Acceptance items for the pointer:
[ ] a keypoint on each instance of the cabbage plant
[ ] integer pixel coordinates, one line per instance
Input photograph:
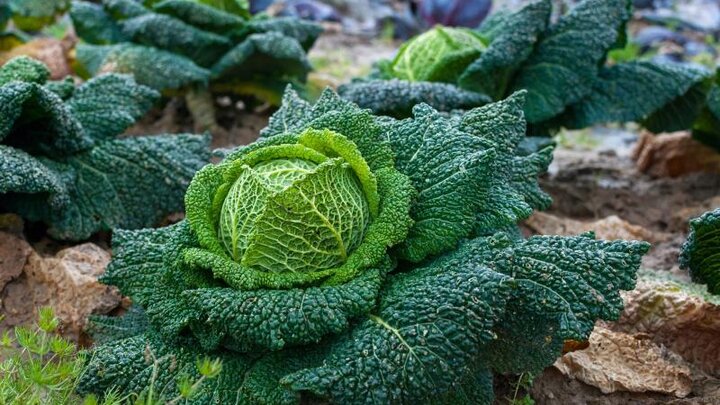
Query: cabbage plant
(62, 164)
(194, 48)
(350, 258)
(563, 66)
(701, 251)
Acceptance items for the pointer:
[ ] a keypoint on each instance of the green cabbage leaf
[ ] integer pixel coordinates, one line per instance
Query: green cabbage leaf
(701, 251)
(64, 165)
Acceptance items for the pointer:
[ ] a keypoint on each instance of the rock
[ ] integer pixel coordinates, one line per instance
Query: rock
(676, 314)
(611, 227)
(620, 362)
(674, 154)
(66, 282)
(553, 388)
(14, 253)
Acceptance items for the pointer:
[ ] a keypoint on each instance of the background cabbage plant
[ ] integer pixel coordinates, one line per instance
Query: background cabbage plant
(351, 258)
(62, 163)
(563, 66)
(191, 47)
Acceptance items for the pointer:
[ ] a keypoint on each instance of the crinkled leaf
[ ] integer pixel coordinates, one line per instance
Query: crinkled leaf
(564, 284)
(133, 364)
(130, 183)
(621, 91)
(512, 37)
(36, 120)
(563, 66)
(701, 252)
(429, 146)
(151, 67)
(107, 105)
(513, 191)
(24, 69)
(25, 174)
(266, 54)
(94, 25)
(421, 342)
(396, 98)
(199, 15)
(104, 329)
(305, 32)
(336, 114)
(172, 35)
(123, 9)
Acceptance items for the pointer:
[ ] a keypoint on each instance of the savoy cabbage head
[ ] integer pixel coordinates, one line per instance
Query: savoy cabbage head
(562, 65)
(62, 163)
(191, 46)
(351, 258)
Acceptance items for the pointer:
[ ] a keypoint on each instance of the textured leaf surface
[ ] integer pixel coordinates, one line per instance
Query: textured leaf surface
(94, 25)
(305, 32)
(509, 199)
(235, 318)
(128, 365)
(200, 15)
(104, 329)
(620, 94)
(266, 54)
(563, 66)
(430, 146)
(22, 173)
(151, 67)
(701, 252)
(421, 342)
(512, 37)
(172, 35)
(396, 98)
(36, 120)
(130, 183)
(108, 105)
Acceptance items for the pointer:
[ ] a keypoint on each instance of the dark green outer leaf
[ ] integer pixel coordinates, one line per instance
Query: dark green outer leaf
(107, 105)
(564, 284)
(305, 32)
(172, 35)
(199, 15)
(24, 69)
(512, 38)
(513, 191)
(267, 54)
(35, 120)
(333, 113)
(104, 329)
(396, 98)
(701, 251)
(22, 173)
(420, 344)
(129, 183)
(94, 25)
(151, 67)
(564, 65)
(430, 146)
(622, 94)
